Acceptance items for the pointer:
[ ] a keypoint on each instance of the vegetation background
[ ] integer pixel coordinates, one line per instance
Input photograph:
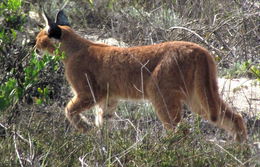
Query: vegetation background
(33, 90)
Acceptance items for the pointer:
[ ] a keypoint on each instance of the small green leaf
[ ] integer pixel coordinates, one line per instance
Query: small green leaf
(40, 90)
(14, 33)
(91, 3)
(45, 92)
(39, 101)
(14, 4)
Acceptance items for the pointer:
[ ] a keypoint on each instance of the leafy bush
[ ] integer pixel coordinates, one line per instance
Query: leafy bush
(246, 68)
(13, 20)
(19, 76)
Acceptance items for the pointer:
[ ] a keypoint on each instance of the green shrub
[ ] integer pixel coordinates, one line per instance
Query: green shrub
(19, 75)
(246, 68)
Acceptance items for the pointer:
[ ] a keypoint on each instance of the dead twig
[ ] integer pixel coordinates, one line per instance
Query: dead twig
(197, 35)
(235, 158)
(17, 151)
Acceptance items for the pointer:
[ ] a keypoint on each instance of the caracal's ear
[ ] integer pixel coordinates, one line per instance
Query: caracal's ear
(62, 19)
(52, 29)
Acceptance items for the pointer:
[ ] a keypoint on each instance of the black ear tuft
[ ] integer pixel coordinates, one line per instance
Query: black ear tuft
(47, 19)
(61, 19)
(54, 32)
(53, 29)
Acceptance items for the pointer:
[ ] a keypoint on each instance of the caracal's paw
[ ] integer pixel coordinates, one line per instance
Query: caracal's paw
(83, 125)
(241, 134)
(240, 130)
(240, 137)
(84, 128)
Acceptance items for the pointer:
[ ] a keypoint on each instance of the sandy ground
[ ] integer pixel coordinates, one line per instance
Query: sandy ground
(243, 94)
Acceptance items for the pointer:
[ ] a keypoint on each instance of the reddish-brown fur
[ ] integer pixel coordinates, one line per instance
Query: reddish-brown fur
(168, 74)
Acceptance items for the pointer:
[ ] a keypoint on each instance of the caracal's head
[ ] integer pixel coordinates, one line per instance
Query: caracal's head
(49, 37)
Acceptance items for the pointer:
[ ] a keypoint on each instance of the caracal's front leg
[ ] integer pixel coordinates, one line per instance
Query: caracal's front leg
(74, 108)
(106, 110)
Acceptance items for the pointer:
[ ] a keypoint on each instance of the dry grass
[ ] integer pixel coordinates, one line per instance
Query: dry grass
(43, 137)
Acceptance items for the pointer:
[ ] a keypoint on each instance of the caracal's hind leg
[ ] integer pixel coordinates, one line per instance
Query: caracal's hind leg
(168, 107)
(167, 92)
(105, 109)
(232, 122)
(197, 106)
(74, 108)
(169, 114)
(207, 102)
(228, 120)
